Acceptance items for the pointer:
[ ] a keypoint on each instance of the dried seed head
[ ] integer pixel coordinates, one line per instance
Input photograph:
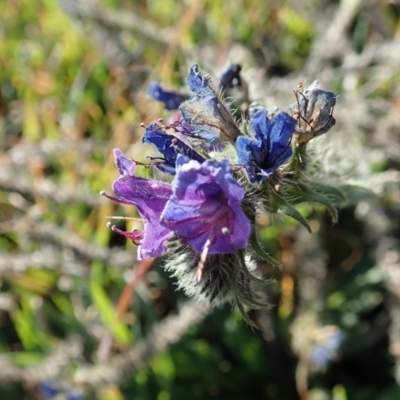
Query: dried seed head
(313, 111)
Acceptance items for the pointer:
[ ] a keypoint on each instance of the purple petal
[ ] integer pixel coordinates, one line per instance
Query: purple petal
(124, 165)
(206, 205)
(150, 198)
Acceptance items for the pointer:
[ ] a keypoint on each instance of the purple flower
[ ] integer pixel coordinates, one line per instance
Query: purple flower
(270, 148)
(207, 115)
(172, 100)
(170, 144)
(205, 207)
(149, 197)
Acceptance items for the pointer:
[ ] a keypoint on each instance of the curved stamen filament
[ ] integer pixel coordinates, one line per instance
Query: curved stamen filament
(136, 235)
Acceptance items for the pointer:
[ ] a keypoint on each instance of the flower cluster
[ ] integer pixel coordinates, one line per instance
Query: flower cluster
(222, 175)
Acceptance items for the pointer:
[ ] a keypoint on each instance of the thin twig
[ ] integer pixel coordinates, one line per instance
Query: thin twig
(123, 304)
(332, 40)
(121, 19)
(162, 336)
(11, 182)
(57, 365)
(48, 257)
(50, 233)
(52, 367)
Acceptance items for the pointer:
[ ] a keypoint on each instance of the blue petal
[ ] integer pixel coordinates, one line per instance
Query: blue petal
(280, 135)
(171, 99)
(194, 79)
(270, 148)
(208, 117)
(260, 124)
(170, 146)
(231, 77)
(48, 390)
(250, 155)
(320, 356)
(73, 395)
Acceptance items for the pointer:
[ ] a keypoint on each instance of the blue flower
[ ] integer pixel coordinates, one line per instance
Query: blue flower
(270, 148)
(170, 145)
(231, 78)
(172, 100)
(207, 115)
(150, 197)
(326, 350)
(49, 391)
(205, 207)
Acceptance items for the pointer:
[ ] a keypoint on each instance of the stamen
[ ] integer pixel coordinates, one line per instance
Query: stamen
(136, 236)
(203, 256)
(122, 218)
(115, 199)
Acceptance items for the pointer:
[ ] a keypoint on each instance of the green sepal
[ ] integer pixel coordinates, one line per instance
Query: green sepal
(355, 193)
(331, 192)
(243, 311)
(256, 246)
(304, 194)
(248, 273)
(243, 299)
(282, 206)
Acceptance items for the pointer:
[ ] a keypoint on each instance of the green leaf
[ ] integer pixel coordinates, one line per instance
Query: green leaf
(106, 309)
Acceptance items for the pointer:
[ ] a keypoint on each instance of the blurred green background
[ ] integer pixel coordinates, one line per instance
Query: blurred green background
(80, 316)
